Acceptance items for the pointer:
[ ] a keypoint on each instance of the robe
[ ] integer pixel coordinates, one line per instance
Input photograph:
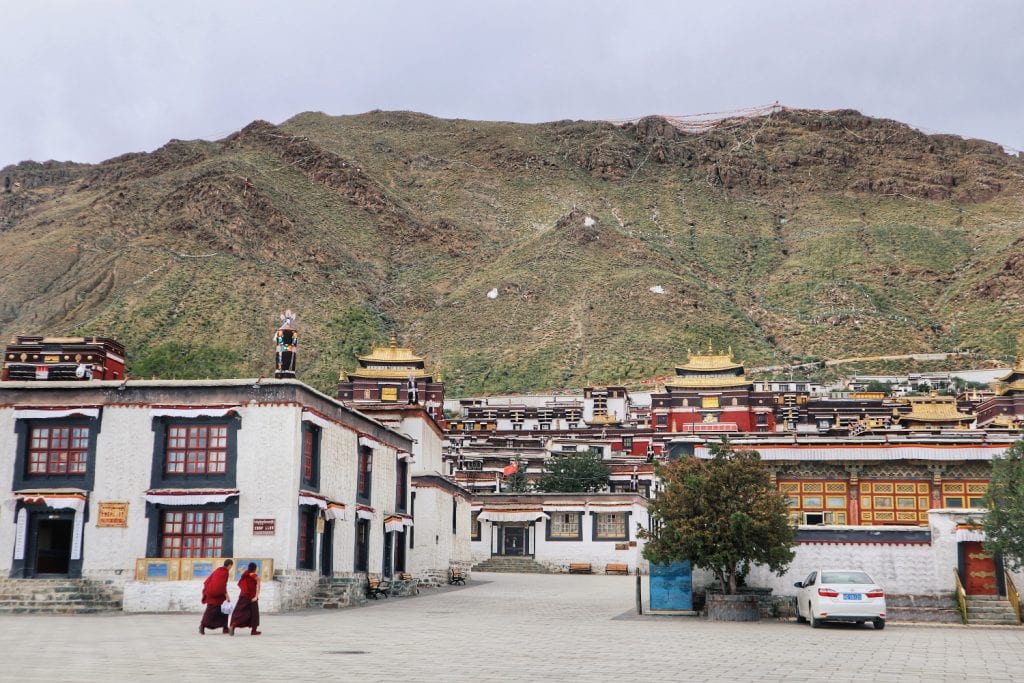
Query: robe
(247, 609)
(215, 592)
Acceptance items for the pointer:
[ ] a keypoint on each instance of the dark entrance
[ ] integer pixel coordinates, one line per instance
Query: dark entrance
(327, 548)
(49, 551)
(515, 538)
(388, 545)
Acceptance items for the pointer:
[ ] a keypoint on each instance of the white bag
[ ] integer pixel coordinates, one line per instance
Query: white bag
(226, 607)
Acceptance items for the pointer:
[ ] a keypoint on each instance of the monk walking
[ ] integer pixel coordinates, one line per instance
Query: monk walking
(215, 594)
(247, 610)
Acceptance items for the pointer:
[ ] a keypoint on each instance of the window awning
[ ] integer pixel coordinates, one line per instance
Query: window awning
(54, 498)
(38, 414)
(336, 511)
(316, 501)
(212, 411)
(368, 441)
(963, 534)
(394, 523)
(511, 515)
(313, 418)
(405, 455)
(189, 496)
(364, 512)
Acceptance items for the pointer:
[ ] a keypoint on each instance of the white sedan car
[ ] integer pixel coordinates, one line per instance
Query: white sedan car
(840, 595)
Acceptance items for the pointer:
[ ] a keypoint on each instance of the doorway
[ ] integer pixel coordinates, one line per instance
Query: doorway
(515, 539)
(327, 549)
(50, 550)
(980, 571)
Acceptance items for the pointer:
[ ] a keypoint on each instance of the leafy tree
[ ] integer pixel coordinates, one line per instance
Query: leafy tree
(875, 386)
(1004, 522)
(722, 515)
(517, 482)
(582, 472)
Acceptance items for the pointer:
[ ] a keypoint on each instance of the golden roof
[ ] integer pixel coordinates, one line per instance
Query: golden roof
(710, 361)
(389, 373)
(392, 353)
(935, 409)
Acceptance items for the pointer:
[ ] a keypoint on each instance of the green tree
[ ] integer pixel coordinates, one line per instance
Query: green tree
(722, 515)
(582, 472)
(517, 482)
(1004, 521)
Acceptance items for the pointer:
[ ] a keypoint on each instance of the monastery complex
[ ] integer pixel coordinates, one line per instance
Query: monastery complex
(138, 488)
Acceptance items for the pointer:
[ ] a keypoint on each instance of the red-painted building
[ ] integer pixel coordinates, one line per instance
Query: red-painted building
(711, 393)
(63, 359)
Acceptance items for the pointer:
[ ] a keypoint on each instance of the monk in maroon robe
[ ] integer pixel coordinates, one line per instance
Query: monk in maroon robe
(247, 609)
(215, 594)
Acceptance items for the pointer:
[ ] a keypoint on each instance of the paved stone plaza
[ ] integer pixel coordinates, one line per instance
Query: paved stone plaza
(501, 627)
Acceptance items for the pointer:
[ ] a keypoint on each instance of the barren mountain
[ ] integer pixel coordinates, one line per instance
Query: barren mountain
(613, 248)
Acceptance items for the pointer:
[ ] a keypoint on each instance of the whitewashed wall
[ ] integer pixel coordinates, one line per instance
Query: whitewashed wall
(436, 547)
(901, 569)
(557, 555)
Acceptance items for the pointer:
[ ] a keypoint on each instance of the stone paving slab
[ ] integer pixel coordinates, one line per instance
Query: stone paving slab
(503, 627)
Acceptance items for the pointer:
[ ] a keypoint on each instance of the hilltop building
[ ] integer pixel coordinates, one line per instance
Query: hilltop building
(64, 359)
(711, 393)
(1005, 410)
(393, 375)
(413, 407)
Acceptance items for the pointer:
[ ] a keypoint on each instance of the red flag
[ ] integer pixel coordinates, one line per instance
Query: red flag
(510, 469)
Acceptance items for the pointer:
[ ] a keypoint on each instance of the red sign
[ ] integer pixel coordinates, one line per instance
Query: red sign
(42, 372)
(263, 527)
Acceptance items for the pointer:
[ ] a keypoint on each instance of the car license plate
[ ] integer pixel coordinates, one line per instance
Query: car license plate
(851, 596)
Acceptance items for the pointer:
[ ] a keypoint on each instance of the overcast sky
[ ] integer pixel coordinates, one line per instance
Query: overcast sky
(85, 80)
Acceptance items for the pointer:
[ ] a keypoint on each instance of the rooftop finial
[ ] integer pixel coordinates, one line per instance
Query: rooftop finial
(393, 340)
(710, 350)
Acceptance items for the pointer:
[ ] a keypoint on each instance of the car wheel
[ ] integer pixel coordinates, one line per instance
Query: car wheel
(879, 624)
(800, 619)
(815, 623)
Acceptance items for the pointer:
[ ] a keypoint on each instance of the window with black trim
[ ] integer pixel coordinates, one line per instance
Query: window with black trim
(306, 558)
(310, 456)
(191, 533)
(455, 515)
(611, 526)
(194, 452)
(565, 526)
(55, 453)
(364, 484)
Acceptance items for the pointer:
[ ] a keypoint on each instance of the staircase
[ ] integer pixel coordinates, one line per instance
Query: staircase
(334, 593)
(922, 608)
(511, 565)
(990, 610)
(58, 596)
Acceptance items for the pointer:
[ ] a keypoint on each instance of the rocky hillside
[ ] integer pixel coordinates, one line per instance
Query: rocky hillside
(611, 248)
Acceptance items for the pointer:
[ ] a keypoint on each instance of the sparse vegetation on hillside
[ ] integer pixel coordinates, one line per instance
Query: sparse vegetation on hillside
(611, 249)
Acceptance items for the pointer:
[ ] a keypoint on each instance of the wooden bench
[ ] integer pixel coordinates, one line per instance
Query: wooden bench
(455, 576)
(611, 568)
(376, 587)
(580, 568)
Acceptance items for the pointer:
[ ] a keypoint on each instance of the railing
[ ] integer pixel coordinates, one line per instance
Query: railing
(1012, 595)
(961, 596)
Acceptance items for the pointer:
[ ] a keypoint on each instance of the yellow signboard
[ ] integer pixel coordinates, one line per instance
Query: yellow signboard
(113, 514)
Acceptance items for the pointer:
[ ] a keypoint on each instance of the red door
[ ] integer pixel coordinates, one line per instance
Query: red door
(980, 570)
